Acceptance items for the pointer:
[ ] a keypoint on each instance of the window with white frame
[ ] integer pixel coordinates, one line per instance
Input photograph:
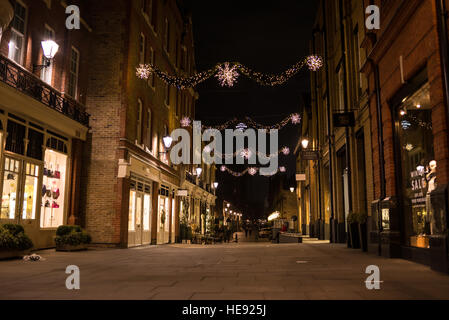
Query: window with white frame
(17, 40)
(167, 36)
(139, 122)
(142, 49)
(73, 74)
(47, 73)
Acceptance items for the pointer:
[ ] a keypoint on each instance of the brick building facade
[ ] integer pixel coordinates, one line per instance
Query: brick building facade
(42, 120)
(339, 179)
(131, 195)
(406, 69)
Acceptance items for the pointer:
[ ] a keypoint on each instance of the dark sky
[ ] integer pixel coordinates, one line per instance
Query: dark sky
(269, 37)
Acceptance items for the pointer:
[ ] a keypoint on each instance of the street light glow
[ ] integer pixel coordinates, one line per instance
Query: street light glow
(305, 143)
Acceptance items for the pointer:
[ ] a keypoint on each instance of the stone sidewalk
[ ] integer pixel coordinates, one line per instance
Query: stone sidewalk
(239, 271)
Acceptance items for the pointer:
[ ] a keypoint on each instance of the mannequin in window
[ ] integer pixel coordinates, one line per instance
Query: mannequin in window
(431, 177)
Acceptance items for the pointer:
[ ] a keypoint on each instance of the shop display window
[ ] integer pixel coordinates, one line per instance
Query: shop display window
(10, 188)
(419, 168)
(53, 189)
(132, 210)
(146, 212)
(30, 191)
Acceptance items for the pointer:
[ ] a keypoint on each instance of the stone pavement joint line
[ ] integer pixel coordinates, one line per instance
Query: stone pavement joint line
(239, 271)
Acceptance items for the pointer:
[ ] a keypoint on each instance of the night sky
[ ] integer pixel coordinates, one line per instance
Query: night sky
(269, 37)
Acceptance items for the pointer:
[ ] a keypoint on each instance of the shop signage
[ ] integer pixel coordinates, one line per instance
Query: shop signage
(310, 155)
(300, 177)
(182, 193)
(344, 119)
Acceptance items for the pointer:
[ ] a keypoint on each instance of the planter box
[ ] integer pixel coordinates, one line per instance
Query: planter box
(9, 254)
(354, 236)
(67, 247)
(363, 236)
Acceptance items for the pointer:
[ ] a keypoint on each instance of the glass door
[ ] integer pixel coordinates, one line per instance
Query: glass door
(139, 200)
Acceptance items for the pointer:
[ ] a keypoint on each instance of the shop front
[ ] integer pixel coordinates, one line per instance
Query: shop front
(419, 206)
(36, 177)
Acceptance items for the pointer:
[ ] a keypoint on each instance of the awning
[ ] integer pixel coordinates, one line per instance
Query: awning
(6, 13)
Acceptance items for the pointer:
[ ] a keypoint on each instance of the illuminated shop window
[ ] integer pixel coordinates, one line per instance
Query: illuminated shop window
(30, 191)
(10, 187)
(53, 189)
(419, 168)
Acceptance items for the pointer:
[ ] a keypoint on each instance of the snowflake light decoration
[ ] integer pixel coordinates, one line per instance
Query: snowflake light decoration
(185, 122)
(314, 62)
(252, 171)
(246, 154)
(241, 126)
(143, 71)
(227, 75)
(207, 149)
(285, 151)
(296, 118)
(282, 169)
(223, 168)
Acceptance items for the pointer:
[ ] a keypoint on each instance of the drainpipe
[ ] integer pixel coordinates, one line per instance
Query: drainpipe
(380, 137)
(317, 141)
(345, 88)
(329, 133)
(444, 48)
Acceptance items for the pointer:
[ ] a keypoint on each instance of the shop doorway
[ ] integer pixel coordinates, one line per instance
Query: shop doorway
(139, 227)
(163, 229)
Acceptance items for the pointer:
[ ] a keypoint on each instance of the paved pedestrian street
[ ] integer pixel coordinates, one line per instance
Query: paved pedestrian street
(244, 270)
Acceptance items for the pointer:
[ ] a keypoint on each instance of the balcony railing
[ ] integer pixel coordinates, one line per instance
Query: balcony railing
(190, 178)
(22, 80)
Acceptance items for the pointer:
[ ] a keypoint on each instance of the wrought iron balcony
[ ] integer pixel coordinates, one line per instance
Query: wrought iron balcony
(27, 83)
(190, 178)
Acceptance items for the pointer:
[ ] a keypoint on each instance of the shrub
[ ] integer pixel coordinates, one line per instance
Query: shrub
(71, 235)
(13, 228)
(13, 237)
(362, 217)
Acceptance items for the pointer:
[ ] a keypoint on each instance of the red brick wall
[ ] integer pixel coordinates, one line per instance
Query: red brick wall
(417, 41)
(39, 15)
(105, 103)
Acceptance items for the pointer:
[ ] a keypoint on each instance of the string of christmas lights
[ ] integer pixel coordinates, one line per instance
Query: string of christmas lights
(247, 153)
(293, 118)
(228, 73)
(252, 171)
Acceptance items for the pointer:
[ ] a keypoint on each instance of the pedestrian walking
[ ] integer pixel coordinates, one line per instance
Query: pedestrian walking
(250, 231)
(246, 231)
(256, 230)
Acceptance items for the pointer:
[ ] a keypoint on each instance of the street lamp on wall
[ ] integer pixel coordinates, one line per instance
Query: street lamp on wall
(292, 189)
(198, 171)
(215, 185)
(305, 143)
(50, 48)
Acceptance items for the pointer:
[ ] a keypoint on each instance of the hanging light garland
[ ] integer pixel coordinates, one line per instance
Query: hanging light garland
(252, 171)
(227, 74)
(247, 153)
(293, 118)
